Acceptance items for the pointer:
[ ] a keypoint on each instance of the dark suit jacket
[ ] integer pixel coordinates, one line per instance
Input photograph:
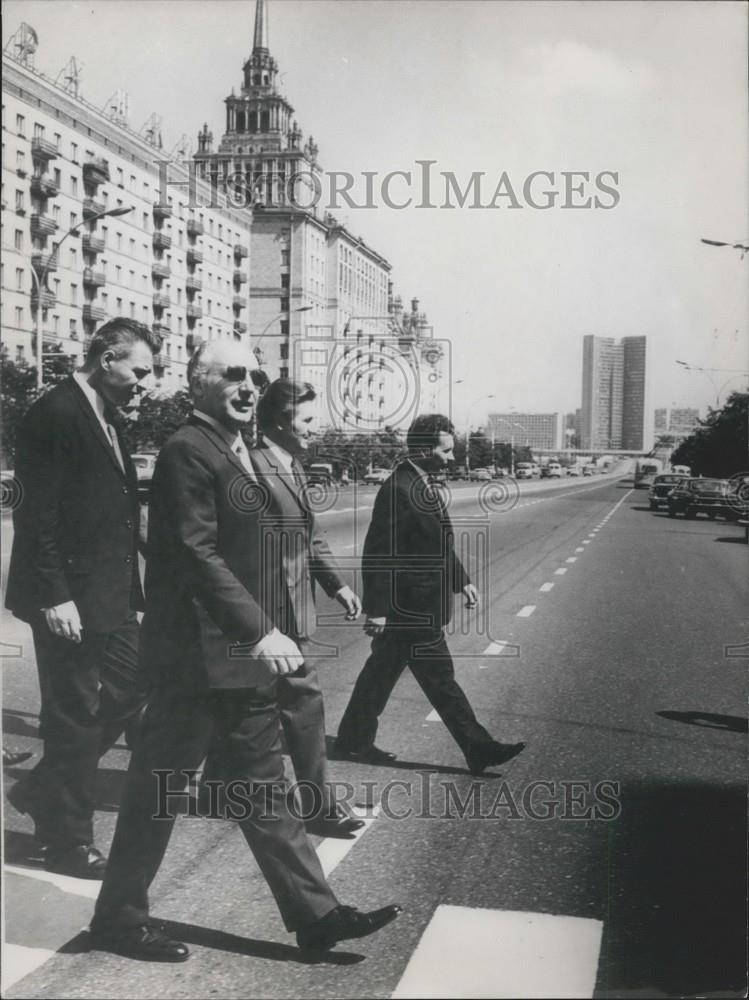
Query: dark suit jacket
(409, 567)
(76, 527)
(296, 551)
(204, 568)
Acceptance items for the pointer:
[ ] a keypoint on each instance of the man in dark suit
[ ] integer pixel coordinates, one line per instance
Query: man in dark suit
(298, 557)
(74, 578)
(411, 571)
(213, 656)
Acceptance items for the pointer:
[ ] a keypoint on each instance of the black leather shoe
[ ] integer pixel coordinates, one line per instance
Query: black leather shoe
(83, 861)
(372, 755)
(341, 825)
(492, 753)
(146, 942)
(13, 757)
(341, 924)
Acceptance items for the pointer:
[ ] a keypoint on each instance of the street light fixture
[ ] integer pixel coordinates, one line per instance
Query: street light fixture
(737, 373)
(40, 282)
(256, 349)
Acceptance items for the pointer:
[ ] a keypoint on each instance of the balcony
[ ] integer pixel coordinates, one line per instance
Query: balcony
(49, 299)
(195, 228)
(160, 270)
(240, 251)
(96, 171)
(161, 330)
(44, 187)
(93, 313)
(161, 241)
(240, 327)
(92, 278)
(43, 149)
(193, 284)
(240, 277)
(92, 244)
(162, 211)
(161, 361)
(161, 301)
(193, 341)
(92, 207)
(42, 225)
(239, 302)
(194, 256)
(42, 262)
(193, 312)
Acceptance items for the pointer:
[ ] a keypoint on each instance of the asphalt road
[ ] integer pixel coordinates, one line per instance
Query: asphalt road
(608, 859)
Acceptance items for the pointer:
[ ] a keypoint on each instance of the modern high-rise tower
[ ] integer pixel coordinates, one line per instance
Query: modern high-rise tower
(614, 394)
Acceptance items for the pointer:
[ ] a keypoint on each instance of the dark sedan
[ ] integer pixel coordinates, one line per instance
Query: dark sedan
(700, 496)
(662, 486)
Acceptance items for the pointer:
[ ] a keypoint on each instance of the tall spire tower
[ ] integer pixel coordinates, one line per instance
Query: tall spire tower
(262, 143)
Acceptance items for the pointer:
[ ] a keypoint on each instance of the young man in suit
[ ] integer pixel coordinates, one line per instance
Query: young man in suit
(411, 571)
(213, 657)
(74, 578)
(299, 557)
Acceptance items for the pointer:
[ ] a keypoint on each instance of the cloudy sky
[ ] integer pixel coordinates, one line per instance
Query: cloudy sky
(654, 92)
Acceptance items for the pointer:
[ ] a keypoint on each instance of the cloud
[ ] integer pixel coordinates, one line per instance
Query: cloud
(570, 67)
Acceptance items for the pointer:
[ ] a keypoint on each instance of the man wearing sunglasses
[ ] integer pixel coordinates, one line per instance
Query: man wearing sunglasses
(213, 657)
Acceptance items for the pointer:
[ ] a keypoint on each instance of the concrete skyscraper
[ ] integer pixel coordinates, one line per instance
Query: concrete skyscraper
(614, 394)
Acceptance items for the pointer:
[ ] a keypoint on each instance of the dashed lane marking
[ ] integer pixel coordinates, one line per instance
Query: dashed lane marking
(579, 549)
(560, 572)
(527, 611)
(546, 587)
(571, 559)
(502, 954)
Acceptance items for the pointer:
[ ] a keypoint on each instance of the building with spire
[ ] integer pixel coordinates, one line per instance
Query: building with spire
(320, 297)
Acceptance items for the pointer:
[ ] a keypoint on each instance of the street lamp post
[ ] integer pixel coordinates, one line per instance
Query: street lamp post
(737, 373)
(40, 283)
(468, 428)
(274, 319)
(512, 424)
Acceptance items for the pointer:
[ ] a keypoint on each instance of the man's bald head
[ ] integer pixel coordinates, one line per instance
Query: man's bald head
(220, 377)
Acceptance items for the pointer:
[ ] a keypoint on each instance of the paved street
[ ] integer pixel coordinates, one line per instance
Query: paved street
(606, 860)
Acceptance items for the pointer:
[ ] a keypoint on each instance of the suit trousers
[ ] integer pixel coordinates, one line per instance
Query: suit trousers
(424, 651)
(89, 695)
(178, 728)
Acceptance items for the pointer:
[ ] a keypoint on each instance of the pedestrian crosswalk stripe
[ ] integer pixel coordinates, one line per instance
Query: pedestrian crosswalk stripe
(331, 851)
(468, 952)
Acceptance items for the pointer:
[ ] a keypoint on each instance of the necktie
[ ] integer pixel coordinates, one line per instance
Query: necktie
(244, 456)
(113, 439)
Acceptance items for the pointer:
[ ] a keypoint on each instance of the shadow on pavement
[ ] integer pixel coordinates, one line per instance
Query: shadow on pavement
(709, 720)
(676, 920)
(22, 850)
(733, 538)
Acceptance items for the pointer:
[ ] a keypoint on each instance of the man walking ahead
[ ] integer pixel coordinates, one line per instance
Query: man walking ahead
(411, 572)
(213, 657)
(74, 578)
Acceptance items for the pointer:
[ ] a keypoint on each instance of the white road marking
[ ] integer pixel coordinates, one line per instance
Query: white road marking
(332, 850)
(74, 886)
(494, 648)
(527, 611)
(560, 572)
(19, 961)
(469, 952)
(571, 559)
(579, 549)
(586, 541)
(434, 716)
(546, 587)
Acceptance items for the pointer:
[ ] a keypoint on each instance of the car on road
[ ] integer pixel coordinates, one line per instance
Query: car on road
(701, 496)
(480, 475)
(590, 470)
(320, 474)
(524, 470)
(551, 471)
(144, 466)
(377, 476)
(573, 470)
(661, 488)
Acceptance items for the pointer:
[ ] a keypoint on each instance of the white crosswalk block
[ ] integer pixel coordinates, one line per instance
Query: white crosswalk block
(434, 716)
(466, 952)
(19, 961)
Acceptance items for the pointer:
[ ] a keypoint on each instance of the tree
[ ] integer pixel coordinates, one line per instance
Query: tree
(479, 450)
(158, 417)
(719, 447)
(17, 392)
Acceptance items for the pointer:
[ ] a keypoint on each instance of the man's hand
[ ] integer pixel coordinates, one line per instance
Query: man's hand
(373, 626)
(279, 653)
(64, 620)
(350, 601)
(471, 595)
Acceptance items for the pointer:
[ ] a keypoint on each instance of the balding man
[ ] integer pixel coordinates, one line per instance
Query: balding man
(203, 568)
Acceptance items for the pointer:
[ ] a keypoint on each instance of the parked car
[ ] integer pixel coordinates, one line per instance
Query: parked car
(551, 471)
(377, 476)
(590, 470)
(524, 470)
(480, 475)
(573, 470)
(320, 473)
(661, 488)
(700, 496)
(144, 466)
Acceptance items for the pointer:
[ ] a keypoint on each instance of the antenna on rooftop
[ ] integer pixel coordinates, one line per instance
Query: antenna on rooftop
(151, 131)
(117, 108)
(71, 77)
(23, 44)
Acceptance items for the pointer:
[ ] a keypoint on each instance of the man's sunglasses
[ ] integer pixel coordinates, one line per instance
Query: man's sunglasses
(238, 373)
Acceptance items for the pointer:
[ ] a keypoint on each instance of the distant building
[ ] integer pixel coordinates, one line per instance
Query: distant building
(541, 431)
(179, 268)
(321, 305)
(614, 394)
(679, 422)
